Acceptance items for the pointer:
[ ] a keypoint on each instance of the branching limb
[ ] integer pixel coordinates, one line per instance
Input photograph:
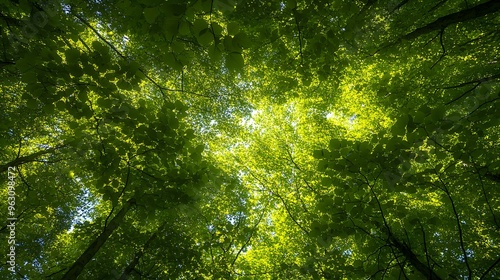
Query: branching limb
(300, 169)
(78, 266)
(401, 265)
(113, 207)
(441, 23)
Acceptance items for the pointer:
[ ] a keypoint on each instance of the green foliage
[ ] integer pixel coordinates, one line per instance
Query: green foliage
(251, 139)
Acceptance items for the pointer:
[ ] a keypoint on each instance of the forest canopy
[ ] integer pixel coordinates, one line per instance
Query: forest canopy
(249, 139)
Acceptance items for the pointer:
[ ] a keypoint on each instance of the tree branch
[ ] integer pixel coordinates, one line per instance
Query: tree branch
(490, 268)
(300, 36)
(138, 255)
(441, 23)
(29, 158)
(248, 239)
(161, 88)
(426, 271)
(77, 267)
(442, 47)
(459, 226)
(401, 4)
(482, 80)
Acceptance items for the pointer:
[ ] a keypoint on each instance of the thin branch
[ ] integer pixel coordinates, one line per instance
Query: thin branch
(459, 226)
(389, 231)
(482, 80)
(401, 266)
(127, 180)
(489, 101)
(437, 6)
(300, 36)
(401, 4)
(431, 40)
(463, 94)
(249, 238)
(478, 38)
(138, 255)
(283, 201)
(290, 214)
(121, 193)
(54, 273)
(442, 47)
(484, 192)
(300, 169)
(490, 268)
(425, 245)
(84, 44)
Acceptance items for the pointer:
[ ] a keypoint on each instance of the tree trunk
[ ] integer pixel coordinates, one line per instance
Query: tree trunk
(85, 258)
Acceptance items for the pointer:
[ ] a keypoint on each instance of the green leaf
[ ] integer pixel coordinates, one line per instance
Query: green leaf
(72, 56)
(234, 61)
(171, 61)
(399, 128)
(233, 28)
(124, 85)
(215, 53)
(326, 181)
(29, 77)
(205, 37)
(217, 29)
(318, 154)
(151, 14)
(173, 123)
(199, 25)
(184, 29)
